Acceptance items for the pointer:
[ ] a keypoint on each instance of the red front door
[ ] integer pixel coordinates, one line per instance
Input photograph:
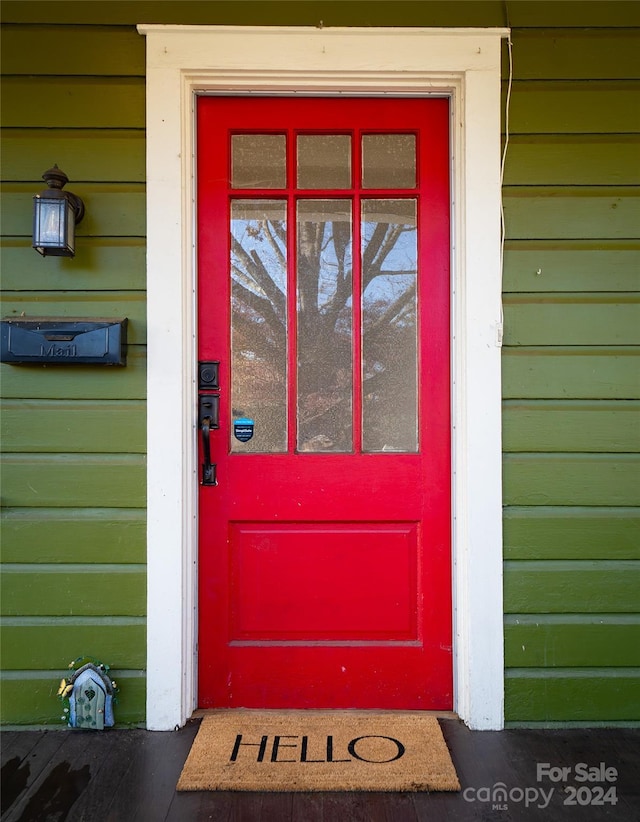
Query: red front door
(323, 258)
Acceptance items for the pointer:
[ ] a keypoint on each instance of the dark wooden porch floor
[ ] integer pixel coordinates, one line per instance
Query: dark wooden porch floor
(130, 776)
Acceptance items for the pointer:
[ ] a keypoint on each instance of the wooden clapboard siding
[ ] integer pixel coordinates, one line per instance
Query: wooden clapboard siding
(546, 54)
(96, 156)
(571, 694)
(522, 14)
(280, 12)
(31, 643)
(78, 382)
(572, 160)
(73, 102)
(576, 107)
(74, 525)
(84, 480)
(73, 590)
(550, 213)
(572, 319)
(112, 209)
(571, 479)
(63, 426)
(571, 425)
(571, 586)
(105, 263)
(74, 552)
(98, 50)
(571, 532)
(90, 304)
(571, 373)
(29, 697)
(570, 641)
(74, 535)
(571, 265)
(581, 372)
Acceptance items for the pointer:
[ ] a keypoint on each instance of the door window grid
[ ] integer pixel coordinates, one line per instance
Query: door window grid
(324, 341)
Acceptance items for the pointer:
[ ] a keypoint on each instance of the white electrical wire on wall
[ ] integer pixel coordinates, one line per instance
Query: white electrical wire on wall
(502, 167)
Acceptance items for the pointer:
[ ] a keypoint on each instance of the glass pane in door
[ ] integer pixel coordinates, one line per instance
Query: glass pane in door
(388, 161)
(259, 323)
(258, 161)
(389, 326)
(324, 161)
(324, 325)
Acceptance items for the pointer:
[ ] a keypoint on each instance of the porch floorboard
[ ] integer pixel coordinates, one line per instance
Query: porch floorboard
(130, 776)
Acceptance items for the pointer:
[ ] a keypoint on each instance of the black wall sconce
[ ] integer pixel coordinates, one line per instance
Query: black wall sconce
(56, 213)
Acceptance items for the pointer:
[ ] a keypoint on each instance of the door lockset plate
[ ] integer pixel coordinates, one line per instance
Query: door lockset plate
(209, 406)
(208, 375)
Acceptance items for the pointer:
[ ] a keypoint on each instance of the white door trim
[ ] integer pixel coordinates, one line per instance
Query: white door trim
(183, 61)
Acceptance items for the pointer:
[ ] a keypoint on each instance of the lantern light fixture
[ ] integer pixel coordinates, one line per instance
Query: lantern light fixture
(56, 213)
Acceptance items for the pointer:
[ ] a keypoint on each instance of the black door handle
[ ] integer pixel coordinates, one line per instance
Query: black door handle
(208, 468)
(208, 416)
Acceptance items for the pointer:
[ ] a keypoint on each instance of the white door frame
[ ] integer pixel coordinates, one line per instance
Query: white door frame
(183, 61)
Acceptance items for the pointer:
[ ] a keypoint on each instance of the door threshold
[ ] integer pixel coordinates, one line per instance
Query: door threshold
(200, 713)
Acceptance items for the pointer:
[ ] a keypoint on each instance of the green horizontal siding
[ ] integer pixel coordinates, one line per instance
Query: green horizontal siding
(74, 535)
(521, 14)
(77, 381)
(104, 50)
(577, 107)
(572, 160)
(280, 12)
(82, 426)
(84, 304)
(30, 698)
(584, 641)
(571, 426)
(105, 263)
(571, 213)
(571, 533)
(33, 643)
(111, 209)
(572, 373)
(73, 102)
(99, 51)
(571, 479)
(78, 480)
(572, 319)
(571, 265)
(543, 13)
(564, 587)
(571, 695)
(545, 54)
(64, 590)
(87, 155)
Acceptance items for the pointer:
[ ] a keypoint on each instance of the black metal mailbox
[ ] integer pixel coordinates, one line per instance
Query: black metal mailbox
(64, 342)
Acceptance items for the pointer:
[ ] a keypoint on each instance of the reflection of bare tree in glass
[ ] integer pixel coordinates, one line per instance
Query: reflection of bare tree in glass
(259, 322)
(389, 350)
(324, 324)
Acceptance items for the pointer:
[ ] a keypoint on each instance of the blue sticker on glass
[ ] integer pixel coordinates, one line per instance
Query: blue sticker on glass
(243, 430)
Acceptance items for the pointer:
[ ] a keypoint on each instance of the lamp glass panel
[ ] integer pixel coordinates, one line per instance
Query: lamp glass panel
(54, 226)
(49, 227)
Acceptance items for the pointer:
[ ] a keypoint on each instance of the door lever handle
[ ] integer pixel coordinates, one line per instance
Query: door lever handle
(208, 468)
(209, 417)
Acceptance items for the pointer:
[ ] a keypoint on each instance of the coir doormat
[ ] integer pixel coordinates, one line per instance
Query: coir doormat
(318, 751)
